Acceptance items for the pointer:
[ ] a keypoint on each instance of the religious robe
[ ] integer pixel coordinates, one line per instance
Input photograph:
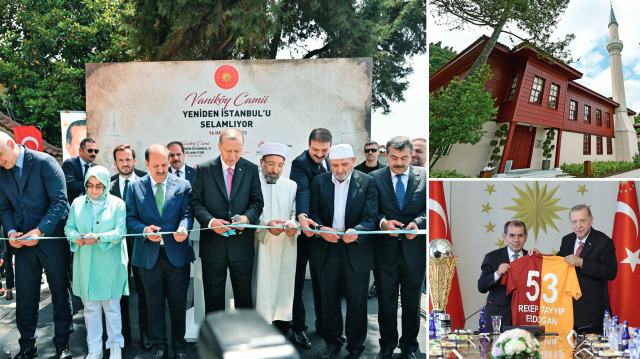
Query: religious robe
(275, 267)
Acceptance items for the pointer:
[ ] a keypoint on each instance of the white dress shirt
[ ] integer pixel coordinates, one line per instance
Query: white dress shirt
(394, 181)
(225, 174)
(496, 277)
(182, 170)
(577, 244)
(132, 178)
(340, 202)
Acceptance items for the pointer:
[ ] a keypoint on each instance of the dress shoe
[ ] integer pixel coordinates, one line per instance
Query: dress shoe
(408, 355)
(343, 339)
(145, 342)
(9, 294)
(1, 292)
(94, 355)
(385, 354)
(330, 353)
(356, 354)
(302, 339)
(62, 351)
(27, 353)
(115, 353)
(161, 353)
(179, 355)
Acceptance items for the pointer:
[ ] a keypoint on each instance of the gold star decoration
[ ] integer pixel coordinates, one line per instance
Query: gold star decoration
(582, 189)
(489, 189)
(536, 207)
(486, 208)
(499, 243)
(489, 227)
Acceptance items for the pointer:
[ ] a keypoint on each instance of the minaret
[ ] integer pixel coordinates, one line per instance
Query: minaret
(626, 143)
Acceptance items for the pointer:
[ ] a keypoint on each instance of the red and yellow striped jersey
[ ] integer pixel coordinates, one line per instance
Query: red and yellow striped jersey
(543, 287)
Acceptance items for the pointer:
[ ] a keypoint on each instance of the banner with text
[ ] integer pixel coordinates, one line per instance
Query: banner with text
(142, 103)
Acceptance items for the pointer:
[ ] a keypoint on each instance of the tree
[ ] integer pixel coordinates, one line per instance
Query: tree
(529, 21)
(390, 31)
(458, 112)
(438, 56)
(44, 45)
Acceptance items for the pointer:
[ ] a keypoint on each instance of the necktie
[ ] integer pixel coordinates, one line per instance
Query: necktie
(124, 191)
(159, 198)
(229, 181)
(17, 173)
(580, 246)
(178, 173)
(400, 190)
(86, 168)
(515, 256)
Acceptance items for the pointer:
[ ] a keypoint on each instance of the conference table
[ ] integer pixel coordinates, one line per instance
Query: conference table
(551, 346)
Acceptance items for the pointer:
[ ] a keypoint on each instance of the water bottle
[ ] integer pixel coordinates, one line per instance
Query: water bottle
(432, 327)
(633, 345)
(625, 335)
(482, 323)
(606, 324)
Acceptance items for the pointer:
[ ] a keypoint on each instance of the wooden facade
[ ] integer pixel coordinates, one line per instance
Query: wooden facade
(540, 97)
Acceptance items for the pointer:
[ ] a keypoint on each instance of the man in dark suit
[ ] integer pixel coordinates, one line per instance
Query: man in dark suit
(160, 202)
(33, 203)
(227, 190)
(343, 200)
(400, 258)
(594, 257)
(75, 168)
(178, 166)
(124, 158)
(304, 168)
(495, 265)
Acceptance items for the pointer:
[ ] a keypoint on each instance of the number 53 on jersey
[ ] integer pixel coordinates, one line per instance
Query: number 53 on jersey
(543, 287)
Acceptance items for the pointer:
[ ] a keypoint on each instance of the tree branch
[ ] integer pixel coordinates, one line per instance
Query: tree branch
(315, 52)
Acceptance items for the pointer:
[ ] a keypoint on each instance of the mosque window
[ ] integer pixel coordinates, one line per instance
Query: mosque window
(587, 114)
(586, 148)
(573, 107)
(553, 96)
(514, 85)
(598, 118)
(609, 146)
(607, 120)
(598, 145)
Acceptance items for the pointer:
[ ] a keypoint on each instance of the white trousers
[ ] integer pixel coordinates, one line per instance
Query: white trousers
(93, 321)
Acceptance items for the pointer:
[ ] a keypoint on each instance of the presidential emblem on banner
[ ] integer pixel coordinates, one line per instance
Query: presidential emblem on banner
(226, 77)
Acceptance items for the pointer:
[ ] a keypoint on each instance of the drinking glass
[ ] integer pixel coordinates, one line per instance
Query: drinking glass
(496, 320)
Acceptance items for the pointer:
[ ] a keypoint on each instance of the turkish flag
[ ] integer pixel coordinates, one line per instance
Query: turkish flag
(28, 136)
(624, 290)
(439, 228)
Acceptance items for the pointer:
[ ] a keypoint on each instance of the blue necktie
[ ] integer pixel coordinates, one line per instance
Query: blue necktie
(17, 172)
(400, 191)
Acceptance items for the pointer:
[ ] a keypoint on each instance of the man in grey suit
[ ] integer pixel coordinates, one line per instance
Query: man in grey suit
(227, 190)
(33, 203)
(400, 258)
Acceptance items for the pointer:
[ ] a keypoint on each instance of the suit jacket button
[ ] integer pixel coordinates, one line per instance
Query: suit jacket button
(97, 222)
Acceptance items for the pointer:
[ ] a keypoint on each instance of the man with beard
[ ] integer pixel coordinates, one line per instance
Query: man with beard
(304, 168)
(419, 154)
(75, 168)
(401, 263)
(124, 157)
(275, 265)
(343, 201)
(178, 166)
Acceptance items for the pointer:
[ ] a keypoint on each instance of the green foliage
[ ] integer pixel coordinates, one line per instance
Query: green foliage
(458, 111)
(499, 142)
(44, 45)
(602, 168)
(547, 147)
(529, 22)
(447, 174)
(439, 56)
(390, 31)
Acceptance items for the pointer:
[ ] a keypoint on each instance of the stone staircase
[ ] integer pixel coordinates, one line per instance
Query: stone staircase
(534, 173)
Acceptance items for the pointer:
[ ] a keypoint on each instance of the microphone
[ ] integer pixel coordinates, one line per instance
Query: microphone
(237, 218)
(469, 317)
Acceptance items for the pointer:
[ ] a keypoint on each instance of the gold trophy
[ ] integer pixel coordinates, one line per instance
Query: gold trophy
(442, 267)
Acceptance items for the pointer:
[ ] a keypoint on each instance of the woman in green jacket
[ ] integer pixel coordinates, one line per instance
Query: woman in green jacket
(96, 229)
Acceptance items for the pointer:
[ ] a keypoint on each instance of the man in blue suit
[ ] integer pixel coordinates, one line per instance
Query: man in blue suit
(178, 166)
(33, 203)
(158, 202)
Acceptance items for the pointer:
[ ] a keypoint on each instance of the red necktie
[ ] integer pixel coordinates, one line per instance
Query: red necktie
(580, 246)
(229, 181)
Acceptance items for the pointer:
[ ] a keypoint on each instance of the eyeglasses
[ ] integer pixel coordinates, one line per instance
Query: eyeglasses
(92, 150)
(369, 150)
(99, 187)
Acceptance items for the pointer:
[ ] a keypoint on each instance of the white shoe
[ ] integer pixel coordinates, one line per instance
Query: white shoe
(96, 355)
(116, 353)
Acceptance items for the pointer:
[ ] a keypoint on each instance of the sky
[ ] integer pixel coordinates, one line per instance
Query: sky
(588, 20)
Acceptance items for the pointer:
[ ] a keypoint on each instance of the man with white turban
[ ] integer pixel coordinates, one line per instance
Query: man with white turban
(276, 251)
(343, 201)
